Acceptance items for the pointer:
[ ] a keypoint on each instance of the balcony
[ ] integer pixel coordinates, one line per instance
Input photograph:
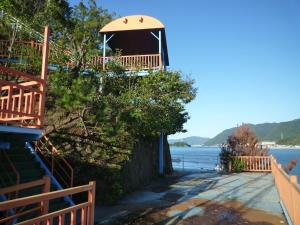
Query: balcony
(141, 40)
(131, 62)
(22, 95)
(21, 99)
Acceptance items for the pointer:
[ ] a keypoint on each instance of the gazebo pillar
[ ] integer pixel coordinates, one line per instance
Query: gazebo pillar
(159, 49)
(161, 153)
(104, 50)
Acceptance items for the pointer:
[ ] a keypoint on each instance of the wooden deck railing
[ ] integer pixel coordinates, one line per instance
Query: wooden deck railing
(131, 62)
(289, 191)
(254, 163)
(86, 209)
(22, 96)
(59, 166)
(21, 211)
(19, 48)
(20, 102)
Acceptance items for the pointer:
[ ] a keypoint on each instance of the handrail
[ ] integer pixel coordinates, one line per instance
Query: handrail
(253, 163)
(124, 56)
(16, 73)
(130, 62)
(289, 191)
(86, 208)
(24, 105)
(45, 147)
(20, 104)
(16, 50)
(15, 171)
(26, 185)
(17, 212)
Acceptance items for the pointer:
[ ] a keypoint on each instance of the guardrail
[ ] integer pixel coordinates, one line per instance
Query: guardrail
(60, 167)
(20, 103)
(253, 163)
(131, 62)
(21, 211)
(19, 49)
(289, 191)
(83, 212)
(22, 96)
(194, 162)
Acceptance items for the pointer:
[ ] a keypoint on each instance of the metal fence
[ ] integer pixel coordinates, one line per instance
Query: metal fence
(195, 162)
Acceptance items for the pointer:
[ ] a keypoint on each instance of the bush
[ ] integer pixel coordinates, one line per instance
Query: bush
(237, 165)
(225, 157)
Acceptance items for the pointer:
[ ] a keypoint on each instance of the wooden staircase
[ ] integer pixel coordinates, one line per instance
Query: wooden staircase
(23, 186)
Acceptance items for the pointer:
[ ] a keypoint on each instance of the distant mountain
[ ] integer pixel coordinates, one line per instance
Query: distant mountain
(192, 140)
(284, 132)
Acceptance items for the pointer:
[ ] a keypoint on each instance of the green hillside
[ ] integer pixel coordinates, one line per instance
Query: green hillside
(180, 144)
(295, 140)
(192, 140)
(283, 133)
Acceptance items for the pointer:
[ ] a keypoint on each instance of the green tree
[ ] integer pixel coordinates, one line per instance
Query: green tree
(96, 117)
(81, 36)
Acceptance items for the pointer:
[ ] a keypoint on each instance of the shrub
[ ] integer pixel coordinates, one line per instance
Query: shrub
(237, 165)
(225, 157)
(242, 143)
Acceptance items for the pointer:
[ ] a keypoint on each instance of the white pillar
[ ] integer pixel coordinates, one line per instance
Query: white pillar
(160, 49)
(104, 50)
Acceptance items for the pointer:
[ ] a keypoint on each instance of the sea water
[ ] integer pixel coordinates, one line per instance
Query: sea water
(206, 158)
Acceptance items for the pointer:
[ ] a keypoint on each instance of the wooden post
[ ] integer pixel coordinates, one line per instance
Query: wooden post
(9, 101)
(44, 76)
(91, 200)
(52, 160)
(293, 181)
(45, 204)
(229, 167)
(161, 154)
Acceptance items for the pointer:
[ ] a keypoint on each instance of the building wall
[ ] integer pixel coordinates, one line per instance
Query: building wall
(142, 167)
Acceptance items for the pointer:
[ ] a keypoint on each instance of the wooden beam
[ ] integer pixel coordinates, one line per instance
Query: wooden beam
(16, 73)
(44, 76)
(43, 197)
(22, 186)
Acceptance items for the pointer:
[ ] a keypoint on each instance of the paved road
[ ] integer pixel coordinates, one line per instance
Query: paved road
(200, 198)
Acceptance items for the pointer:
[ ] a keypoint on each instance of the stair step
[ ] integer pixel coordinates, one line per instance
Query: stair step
(29, 170)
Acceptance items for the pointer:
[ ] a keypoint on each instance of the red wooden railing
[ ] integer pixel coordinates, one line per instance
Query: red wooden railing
(59, 166)
(22, 96)
(254, 163)
(131, 62)
(86, 208)
(289, 191)
(20, 103)
(17, 50)
(21, 211)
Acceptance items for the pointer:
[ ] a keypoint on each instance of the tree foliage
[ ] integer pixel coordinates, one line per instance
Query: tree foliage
(96, 117)
(242, 143)
(245, 143)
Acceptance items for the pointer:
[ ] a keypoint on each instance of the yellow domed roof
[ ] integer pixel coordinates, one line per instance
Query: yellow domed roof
(134, 22)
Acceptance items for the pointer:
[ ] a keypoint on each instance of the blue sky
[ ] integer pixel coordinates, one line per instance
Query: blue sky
(243, 54)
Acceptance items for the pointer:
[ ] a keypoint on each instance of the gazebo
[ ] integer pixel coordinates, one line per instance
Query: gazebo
(141, 40)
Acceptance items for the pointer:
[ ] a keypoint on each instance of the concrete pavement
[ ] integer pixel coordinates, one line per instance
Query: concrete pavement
(200, 198)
